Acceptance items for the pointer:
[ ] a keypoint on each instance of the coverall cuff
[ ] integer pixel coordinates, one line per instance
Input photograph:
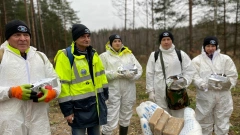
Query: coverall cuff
(147, 91)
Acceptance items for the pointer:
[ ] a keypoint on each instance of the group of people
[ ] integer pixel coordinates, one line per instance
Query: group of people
(214, 103)
(96, 93)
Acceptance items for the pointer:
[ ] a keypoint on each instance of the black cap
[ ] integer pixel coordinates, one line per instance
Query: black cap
(79, 30)
(15, 26)
(210, 40)
(114, 36)
(166, 34)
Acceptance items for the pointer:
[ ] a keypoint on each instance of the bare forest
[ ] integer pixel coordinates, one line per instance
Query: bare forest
(190, 21)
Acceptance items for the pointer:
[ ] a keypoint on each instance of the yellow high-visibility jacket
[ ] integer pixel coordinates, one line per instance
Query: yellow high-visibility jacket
(84, 87)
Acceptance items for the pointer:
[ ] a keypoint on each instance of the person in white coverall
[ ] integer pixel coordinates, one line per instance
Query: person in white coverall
(214, 103)
(155, 82)
(22, 111)
(122, 88)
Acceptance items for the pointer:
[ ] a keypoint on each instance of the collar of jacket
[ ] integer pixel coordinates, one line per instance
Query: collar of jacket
(16, 50)
(90, 52)
(216, 53)
(171, 49)
(123, 50)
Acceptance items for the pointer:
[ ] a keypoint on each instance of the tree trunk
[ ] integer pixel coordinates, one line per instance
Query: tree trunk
(26, 10)
(147, 13)
(125, 20)
(190, 29)
(3, 21)
(133, 30)
(215, 17)
(224, 28)
(236, 31)
(133, 14)
(164, 14)
(147, 30)
(4, 12)
(32, 25)
(65, 31)
(41, 27)
(152, 14)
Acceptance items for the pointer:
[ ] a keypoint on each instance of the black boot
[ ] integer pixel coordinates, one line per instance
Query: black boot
(123, 130)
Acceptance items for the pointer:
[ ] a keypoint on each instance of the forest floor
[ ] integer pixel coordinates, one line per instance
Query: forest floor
(59, 125)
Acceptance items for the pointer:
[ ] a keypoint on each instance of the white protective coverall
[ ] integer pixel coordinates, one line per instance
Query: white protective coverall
(18, 117)
(155, 78)
(214, 107)
(122, 91)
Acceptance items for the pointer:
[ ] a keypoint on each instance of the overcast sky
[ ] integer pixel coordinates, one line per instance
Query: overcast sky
(100, 14)
(96, 14)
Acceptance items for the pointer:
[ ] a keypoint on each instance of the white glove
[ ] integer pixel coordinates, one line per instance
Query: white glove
(214, 85)
(115, 75)
(181, 81)
(145, 127)
(178, 84)
(152, 96)
(203, 86)
(128, 74)
(226, 85)
(118, 75)
(169, 82)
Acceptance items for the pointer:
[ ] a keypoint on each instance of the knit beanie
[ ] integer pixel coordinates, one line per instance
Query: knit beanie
(210, 40)
(166, 34)
(15, 26)
(114, 36)
(79, 30)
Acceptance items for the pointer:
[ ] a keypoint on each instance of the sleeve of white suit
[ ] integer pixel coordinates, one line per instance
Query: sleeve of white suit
(111, 74)
(150, 73)
(188, 69)
(230, 72)
(197, 80)
(139, 68)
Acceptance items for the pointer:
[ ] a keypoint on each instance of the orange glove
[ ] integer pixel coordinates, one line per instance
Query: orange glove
(48, 94)
(23, 92)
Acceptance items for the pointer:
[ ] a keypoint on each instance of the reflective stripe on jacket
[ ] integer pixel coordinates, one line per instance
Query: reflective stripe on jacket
(81, 94)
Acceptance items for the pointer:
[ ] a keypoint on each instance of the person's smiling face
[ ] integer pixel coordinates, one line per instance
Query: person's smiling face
(20, 41)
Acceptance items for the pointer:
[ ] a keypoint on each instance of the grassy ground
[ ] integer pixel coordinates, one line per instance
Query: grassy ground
(60, 127)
